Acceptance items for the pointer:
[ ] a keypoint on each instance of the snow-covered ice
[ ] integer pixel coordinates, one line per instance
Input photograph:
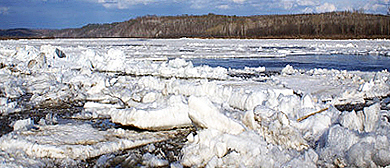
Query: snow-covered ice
(140, 92)
(74, 141)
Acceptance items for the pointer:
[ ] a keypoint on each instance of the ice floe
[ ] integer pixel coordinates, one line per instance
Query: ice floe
(146, 91)
(73, 141)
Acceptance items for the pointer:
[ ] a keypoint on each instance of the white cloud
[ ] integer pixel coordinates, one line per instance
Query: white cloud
(239, 1)
(223, 7)
(307, 3)
(4, 10)
(211, 4)
(200, 4)
(308, 10)
(261, 6)
(326, 7)
(294, 4)
(346, 8)
(287, 4)
(122, 4)
(374, 7)
(195, 4)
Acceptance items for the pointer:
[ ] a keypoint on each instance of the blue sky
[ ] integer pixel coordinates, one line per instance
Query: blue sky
(76, 13)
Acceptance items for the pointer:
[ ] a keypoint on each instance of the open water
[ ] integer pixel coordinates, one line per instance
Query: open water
(340, 62)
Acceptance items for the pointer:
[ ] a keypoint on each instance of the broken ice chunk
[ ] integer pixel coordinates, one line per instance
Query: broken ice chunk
(60, 54)
(289, 70)
(38, 62)
(275, 127)
(173, 116)
(309, 159)
(23, 124)
(365, 120)
(149, 97)
(371, 117)
(382, 157)
(336, 142)
(204, 114)
(360, 155)
(352, 120)
(151, 160)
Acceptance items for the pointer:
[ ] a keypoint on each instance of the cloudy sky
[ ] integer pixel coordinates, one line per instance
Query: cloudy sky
(76, 13)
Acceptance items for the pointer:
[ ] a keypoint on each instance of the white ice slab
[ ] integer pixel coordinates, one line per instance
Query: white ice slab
(74, 141)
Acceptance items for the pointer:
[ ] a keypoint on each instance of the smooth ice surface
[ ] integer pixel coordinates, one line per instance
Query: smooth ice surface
(243, 117)
(204, 114)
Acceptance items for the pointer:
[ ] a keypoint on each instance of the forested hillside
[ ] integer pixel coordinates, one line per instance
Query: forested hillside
(21, 33)
(325, 25)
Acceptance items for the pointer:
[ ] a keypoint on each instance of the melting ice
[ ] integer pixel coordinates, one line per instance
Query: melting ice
(143, 93)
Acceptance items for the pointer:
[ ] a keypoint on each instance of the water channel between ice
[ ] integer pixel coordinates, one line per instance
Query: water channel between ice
(366, 63)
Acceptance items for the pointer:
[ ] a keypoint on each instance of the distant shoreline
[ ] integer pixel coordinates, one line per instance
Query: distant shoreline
(332, 25)
(306, 38)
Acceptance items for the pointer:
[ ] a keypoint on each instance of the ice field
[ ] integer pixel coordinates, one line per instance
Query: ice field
(188, 103)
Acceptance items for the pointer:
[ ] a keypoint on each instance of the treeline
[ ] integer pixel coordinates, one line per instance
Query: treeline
(325, 25)
(20, 33)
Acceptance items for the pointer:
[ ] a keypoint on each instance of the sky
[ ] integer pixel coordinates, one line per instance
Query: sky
(58, 14)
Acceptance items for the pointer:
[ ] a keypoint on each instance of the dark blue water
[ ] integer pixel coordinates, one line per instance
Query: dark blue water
(339, 62)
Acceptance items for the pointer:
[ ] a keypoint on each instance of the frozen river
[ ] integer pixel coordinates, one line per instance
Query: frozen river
(194, 103)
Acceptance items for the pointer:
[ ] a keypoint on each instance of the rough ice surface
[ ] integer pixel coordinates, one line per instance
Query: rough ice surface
(176, 115)
(147, 88)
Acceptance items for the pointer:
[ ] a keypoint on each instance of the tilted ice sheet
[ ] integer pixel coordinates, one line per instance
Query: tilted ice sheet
(75, 141)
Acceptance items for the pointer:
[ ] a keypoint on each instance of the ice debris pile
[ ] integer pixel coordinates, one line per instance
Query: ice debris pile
(298, 118)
